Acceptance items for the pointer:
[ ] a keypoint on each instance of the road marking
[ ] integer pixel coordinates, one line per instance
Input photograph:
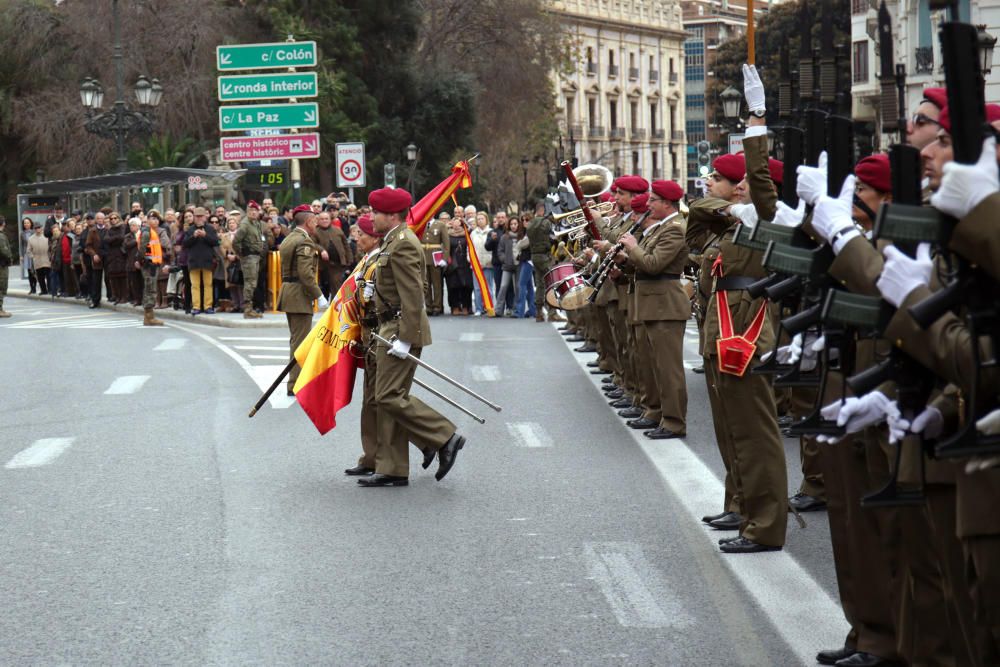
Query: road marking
(268, 356)
(170, 344)
(255, 338)
(638, 594)
(127, 384)
(40, 453)
(260, 347)
(485, 373)
(470, 337)
(800, 609)
(529, 434)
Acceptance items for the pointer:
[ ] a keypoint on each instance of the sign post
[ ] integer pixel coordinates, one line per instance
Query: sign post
(243, 87)
(351, 165)
(269, 117)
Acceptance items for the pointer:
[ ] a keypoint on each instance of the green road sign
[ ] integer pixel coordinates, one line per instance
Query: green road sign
(241, 87)
(269, 117)
(276, 55)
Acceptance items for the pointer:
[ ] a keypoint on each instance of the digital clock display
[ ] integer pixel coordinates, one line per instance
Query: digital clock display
(267, 178)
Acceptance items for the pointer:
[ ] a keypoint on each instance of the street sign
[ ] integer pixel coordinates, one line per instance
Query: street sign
(351, 165)
(269, 117)
(242, 87)
(274, 147)
(195, 183)
(277, 55)
(735, 142)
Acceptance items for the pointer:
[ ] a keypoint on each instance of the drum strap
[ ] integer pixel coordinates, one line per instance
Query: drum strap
(735, 352)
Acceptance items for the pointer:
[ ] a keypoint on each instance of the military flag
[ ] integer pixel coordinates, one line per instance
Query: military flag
(422, 212)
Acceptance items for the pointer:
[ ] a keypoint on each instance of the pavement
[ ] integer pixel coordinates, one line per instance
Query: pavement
(145, 519)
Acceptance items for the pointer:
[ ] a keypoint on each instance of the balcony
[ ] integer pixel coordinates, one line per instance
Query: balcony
(595, 131)
(654, 76)
(592, 69)
(677, 135)
(656, 174)
(617, 133)
(633, 73)
(924, 57)
(576, 129)
(638, 133)
(659, 134)
(613, 70)
(672, 80)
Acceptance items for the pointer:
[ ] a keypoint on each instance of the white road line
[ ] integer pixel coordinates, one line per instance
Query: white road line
(470, 337)
(127, 384)
(485, 373)
(257, 338)
(170, 344)
(261, 347)
(799, 608)
(529, 434)
(269, 356)
(40, 453)
(638, 594)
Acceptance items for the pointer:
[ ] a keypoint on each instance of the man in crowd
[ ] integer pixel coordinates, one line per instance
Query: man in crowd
(335, 254)
(437, 250)
(249, 244)
(6, 259)
(299, 264)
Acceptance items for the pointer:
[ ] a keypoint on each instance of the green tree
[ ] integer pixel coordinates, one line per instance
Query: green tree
(166, 151)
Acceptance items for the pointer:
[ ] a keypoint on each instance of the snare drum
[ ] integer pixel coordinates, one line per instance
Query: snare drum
(556, 275)
(573, 292)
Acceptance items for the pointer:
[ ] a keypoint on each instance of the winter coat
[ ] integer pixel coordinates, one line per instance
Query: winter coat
(38, 248)
(201, 249)
(505, 250)
(131, 246)
(115, 261)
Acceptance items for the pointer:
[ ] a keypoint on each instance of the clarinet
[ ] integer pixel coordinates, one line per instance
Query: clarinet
(601, 274)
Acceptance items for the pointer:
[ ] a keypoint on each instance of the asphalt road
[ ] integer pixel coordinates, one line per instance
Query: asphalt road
(156, 524)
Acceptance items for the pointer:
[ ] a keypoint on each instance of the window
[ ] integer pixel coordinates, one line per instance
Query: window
(694, 60)
(635, 162)
(652, 63)
(611, 57)
(569, 110)
(655, 162)
(592, 111)
(695, 131)
(613, 112)
(631, 58)
(590, 55)
(634, 114)
(653, 107)
(694, 102)
(696, 32)
(859, 61)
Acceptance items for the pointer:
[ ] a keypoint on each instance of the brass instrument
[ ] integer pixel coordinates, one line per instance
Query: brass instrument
(600, 275)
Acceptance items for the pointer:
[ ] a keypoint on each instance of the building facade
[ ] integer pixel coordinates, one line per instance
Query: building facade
(622, 106)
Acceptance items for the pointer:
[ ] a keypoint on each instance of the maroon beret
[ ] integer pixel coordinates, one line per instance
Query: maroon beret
(607, 196)
(390, 200)
(367, 226)
(632, 183)
(253, 204)
(731, 166)
(666, 190)
(992, 113)
(874, 171)
(640, 203)
(777, 169)
(936, 96)
(302, 208)
(614, 186)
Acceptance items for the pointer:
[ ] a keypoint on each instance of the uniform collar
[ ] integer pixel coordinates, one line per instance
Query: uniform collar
(659, 222)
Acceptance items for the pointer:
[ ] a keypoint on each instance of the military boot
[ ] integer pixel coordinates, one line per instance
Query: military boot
(3, 313)
(539, 316)
(149, 320)
(554, 316)
(250, 314)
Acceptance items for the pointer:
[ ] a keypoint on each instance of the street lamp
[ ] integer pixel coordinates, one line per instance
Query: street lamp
(120, 122)
(731, 99)
(524, 168)
(986, 43)
(413, 155)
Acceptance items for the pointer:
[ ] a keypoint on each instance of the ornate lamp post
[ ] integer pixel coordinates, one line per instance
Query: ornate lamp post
(413, 155)
(986, 44)
(120, 122)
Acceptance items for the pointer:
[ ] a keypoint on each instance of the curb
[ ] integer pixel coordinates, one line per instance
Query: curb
(218, 320)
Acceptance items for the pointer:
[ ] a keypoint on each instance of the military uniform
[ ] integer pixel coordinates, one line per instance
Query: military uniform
(539, 234)
(435, 239)
(299, 262)
(249, 244)
(6, 259)
(150, 269)
(401, 314)
(332, 240)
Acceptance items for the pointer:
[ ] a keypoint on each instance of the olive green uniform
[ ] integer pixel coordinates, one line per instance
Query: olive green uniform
(400, 306)
(249, 245)
(299, 263)
(6, 259)
(539, 234)
(435, 239)
(150, 271)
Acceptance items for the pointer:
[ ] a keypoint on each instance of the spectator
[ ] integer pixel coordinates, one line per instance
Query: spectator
(508, 268)
(219, 213)
(27, 231)
(67, 243)
(182, 297)
(55, 262)
(133, 276)
(458, 273)
(38, 248)
(220, 292)
(493, 245)
(81, 272)
(233, 266)
(335, 254)
(95, 252)
(201, 241)
(115, 266)
(526, 281)
(480, 234)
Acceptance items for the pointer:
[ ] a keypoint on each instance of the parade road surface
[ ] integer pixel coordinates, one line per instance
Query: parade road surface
(145, 519)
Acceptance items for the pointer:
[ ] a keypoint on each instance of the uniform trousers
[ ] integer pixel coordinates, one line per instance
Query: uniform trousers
(631, 365)
(434, 288)
(369, 413)
(299, 325)
(4, 276)
(665, 340)
(744, 409)
(733, 493)
(540, 265)
(802, 402)
(613, 361)
(149, 284)
(251, 276)
(605, 343)
(398, 412)
(649, 394)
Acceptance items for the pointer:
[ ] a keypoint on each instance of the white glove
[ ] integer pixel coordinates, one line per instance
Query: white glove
(929, 423)
(901, 275)
(441, 264)
(855, 414)
(753, 89)
(990, 424)
(786, 216)
(745, 213)
(965, 186)
(833, 216)
(399, 349)
(789, 354)
(368, 291)
(322, 302)
(812, 180)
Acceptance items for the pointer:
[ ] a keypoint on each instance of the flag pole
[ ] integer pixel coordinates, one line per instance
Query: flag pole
(751, 45)
(270, 390)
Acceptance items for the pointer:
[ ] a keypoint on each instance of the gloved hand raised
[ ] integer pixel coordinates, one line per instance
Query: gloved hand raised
(745, 213)
(832, 217)
(753, 89)
(812, 180)
(786, 216)
(399, 349)
(965, 186)
(901, 274)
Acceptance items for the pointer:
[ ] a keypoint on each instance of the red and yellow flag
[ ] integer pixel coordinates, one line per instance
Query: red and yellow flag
(326, 382)
(422, 212)
(477, 273)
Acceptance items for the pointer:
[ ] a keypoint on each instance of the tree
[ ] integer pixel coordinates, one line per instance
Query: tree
(165, 151)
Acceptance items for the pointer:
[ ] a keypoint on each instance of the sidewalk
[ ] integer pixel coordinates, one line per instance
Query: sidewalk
(18, 288)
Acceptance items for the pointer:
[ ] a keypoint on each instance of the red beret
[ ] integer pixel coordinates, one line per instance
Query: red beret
(632, 183)
(666, 190)
(936, 96)
(731, 166)
(992, 113)
(640, 203)
(367, 226)
(302, 208)
(874, 171)
(607, 196)
(614, 186)
(777, 169)
(390, 200)
(253, 204)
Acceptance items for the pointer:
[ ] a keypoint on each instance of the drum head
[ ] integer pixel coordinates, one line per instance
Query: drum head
(576, 297)
(551, 297)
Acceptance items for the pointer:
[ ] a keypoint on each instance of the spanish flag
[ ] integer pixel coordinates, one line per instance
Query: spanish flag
(477, 273)
(422, 212)
(326, 381)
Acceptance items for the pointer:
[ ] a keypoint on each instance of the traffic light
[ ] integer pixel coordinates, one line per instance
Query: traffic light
(704, 158)
(389, 172)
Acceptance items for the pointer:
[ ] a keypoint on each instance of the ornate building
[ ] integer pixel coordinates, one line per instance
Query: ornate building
(623, 105)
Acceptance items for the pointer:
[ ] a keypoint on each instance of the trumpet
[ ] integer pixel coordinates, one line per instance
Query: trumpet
(576, 215)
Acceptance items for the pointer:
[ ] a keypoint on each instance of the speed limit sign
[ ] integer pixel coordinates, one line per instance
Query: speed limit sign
(351, 165)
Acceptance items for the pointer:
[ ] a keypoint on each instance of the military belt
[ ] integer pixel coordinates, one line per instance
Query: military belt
(658, 276)
(733, 283)
(432, 246)
(389, 315)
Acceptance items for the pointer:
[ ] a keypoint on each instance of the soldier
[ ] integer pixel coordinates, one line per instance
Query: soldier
(437, 250)
(249, 245)
(539, 233)
(150, 262)
(403, 320)
(6, 259)
(299, 263)
(335, 255)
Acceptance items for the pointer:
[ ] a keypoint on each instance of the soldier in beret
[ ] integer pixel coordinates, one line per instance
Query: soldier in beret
(299, 263)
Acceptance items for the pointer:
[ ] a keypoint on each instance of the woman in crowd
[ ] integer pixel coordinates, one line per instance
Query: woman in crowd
(78, 266)
(220, 292)
(27, 231)
(233, 270)
(133, 277)
(480, 234)
(183, 287)
(38, 248)
(70, 286)
(508, 267)
(55, 262)
(458, 273)
(525, 280)
(115, 266)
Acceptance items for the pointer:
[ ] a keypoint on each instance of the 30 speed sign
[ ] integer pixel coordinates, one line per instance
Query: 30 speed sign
(351, 165)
